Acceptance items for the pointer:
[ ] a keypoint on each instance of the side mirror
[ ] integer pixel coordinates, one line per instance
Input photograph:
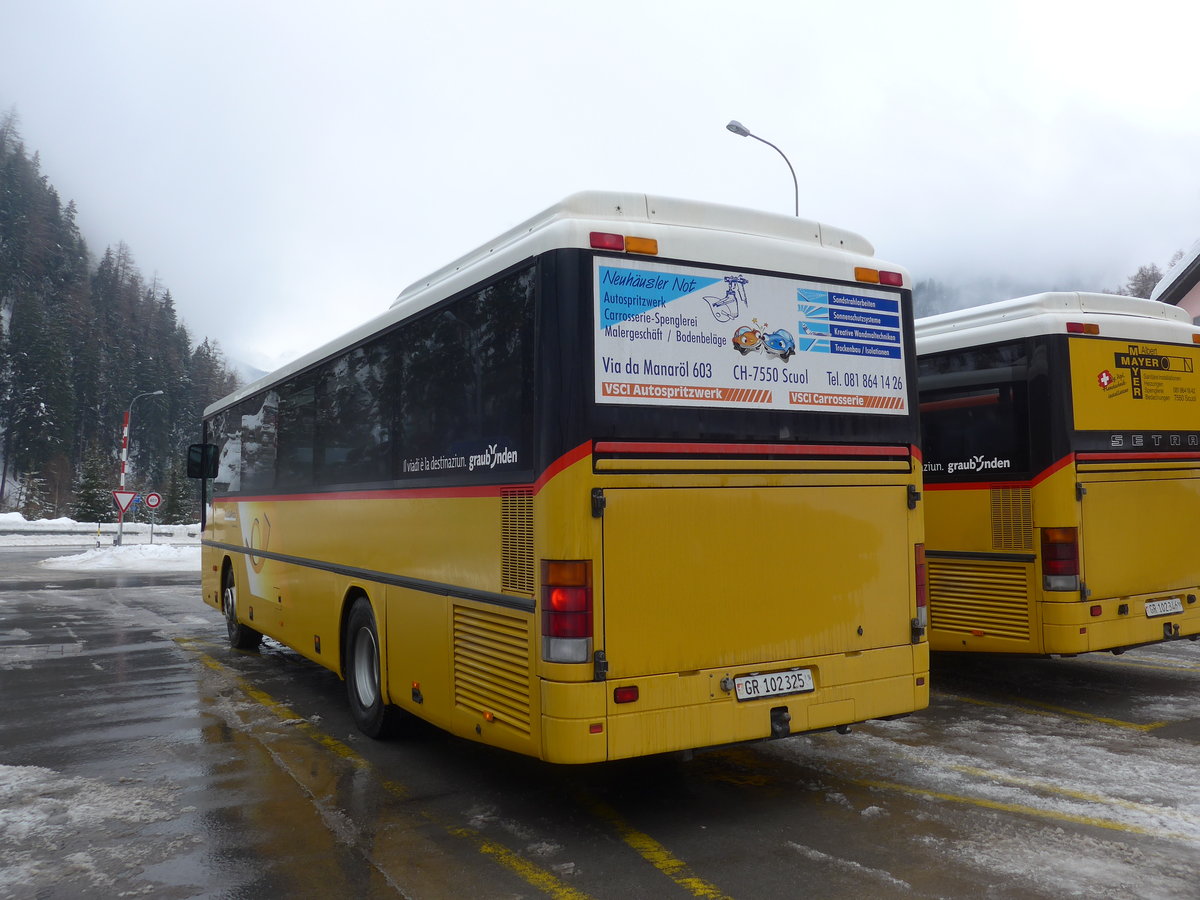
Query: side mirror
(202, 461)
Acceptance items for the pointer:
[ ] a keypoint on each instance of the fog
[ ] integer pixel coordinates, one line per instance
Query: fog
(287, 168)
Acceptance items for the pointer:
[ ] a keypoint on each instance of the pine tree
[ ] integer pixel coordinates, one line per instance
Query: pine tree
(181, 502)
(93, 489)
(32, 504)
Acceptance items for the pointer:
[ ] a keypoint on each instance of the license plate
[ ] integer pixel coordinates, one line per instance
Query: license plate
(1163, 607)
(773, 684)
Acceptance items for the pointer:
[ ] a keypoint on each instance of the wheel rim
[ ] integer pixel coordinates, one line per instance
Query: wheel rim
(366, 668)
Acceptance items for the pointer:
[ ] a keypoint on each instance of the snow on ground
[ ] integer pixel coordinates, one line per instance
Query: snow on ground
(132, 558)
(175, 548)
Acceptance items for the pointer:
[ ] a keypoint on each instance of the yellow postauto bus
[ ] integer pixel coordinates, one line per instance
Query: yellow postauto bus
(637, 476)
(1061, 442)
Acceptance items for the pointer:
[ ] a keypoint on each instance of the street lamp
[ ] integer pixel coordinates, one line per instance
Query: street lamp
(125, 456)
(739, 129)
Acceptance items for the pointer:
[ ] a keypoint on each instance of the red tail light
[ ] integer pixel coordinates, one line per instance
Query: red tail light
(601, 240)
(566, 610)
(1060, 559)
(922, 576)
(921, 571)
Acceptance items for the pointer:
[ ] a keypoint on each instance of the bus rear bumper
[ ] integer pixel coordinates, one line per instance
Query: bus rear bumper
(693, 710)
(1120, 622)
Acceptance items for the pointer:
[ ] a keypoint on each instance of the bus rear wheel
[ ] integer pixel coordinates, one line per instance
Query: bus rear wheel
(241, 637)
(372, 715)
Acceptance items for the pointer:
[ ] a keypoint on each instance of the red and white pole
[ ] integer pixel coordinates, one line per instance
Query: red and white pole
(124, 447)
(124, 462)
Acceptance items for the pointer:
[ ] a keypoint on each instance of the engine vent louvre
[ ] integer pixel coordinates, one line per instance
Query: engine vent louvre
(516, 539)
(1012, 519)
(970, 597)
(492, 653)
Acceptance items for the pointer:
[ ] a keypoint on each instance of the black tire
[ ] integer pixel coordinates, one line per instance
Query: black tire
(364, 689)
(241, 637)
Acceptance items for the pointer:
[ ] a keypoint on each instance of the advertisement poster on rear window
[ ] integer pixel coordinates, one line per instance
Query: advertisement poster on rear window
(680, 336)
(1137, 388)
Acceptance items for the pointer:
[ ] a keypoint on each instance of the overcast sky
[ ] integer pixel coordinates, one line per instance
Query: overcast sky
(286, 168)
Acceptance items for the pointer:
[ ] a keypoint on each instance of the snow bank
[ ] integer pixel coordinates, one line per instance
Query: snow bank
(132, 558)
(175, 548)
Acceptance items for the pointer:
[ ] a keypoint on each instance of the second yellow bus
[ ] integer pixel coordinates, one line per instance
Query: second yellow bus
(1061, 440)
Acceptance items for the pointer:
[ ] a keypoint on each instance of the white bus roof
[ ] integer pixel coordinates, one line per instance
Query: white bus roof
(569, 224)
(1121, 317)
(728, 235)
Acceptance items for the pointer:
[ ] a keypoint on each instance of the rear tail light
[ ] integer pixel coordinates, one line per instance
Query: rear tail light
(566, 611)
(1083, 328)
(878, 276)
(602, 240)
(921, 622)
(623, 243)
(1060, 559)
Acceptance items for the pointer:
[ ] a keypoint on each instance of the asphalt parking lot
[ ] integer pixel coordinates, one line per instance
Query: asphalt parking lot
(139, 756)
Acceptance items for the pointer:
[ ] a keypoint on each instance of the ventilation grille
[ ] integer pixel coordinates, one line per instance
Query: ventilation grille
(492, 666)
(516, 537)
(1012, 519)
(984, 599)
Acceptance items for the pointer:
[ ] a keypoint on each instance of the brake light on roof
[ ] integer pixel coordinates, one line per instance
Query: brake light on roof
(1083, 328)
(1060, 559)
(877, 276)
(567, 611)
(603, 240)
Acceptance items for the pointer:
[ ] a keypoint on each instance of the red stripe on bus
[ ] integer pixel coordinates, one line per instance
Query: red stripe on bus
(565, 461)
(987, 485)
(749, 449)
(482, 490)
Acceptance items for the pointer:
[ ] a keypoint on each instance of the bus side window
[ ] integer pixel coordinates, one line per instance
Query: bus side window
(260, 424)
(353, 417)
(225, 430)
(297, 428)
(467, 371)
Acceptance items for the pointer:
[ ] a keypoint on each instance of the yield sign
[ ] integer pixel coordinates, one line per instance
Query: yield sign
(123, 499)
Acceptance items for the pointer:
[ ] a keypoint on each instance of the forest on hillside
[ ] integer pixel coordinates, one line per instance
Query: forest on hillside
(80, 338)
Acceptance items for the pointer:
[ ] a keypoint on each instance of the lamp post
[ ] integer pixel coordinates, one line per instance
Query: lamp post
(739, 129)
(125, 456)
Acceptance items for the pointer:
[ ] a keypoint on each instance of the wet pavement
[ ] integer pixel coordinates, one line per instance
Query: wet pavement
(141, 757)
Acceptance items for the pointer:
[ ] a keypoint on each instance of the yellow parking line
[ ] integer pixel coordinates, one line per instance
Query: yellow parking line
(1025, 810)
(1035, 706)
(655, 853)
(284, 713)
(535, 876)
(1085, 796)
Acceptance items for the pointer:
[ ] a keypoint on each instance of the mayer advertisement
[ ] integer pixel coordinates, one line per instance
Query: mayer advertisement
(1135, 386)
(678, 336)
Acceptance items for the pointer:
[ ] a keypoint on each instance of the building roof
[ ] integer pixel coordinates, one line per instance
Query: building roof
(1181, 279)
